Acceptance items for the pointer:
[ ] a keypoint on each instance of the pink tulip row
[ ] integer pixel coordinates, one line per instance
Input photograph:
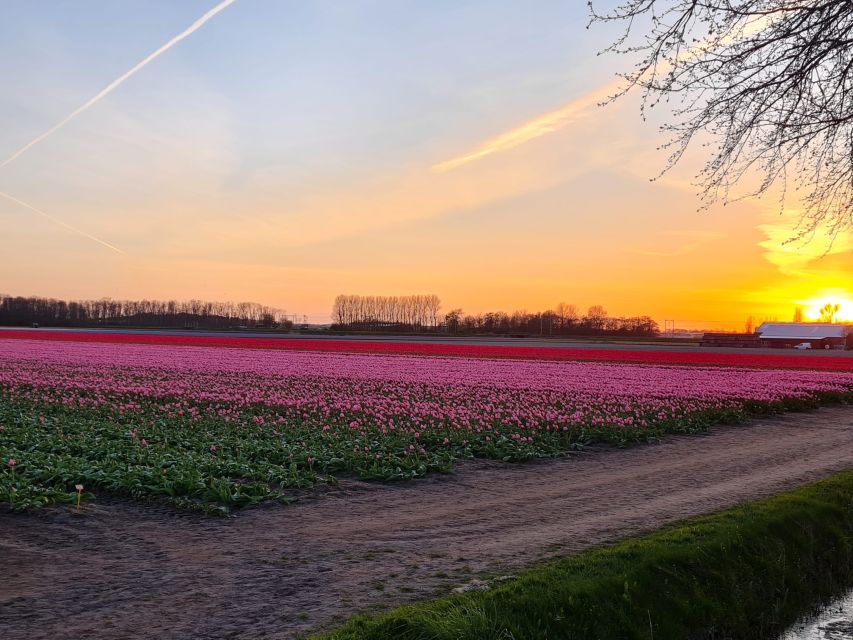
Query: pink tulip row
(404, 394)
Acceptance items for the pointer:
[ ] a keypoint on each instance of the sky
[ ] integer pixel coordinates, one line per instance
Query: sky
(284, 152)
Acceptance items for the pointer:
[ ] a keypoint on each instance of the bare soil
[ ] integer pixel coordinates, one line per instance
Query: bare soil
(125, 570)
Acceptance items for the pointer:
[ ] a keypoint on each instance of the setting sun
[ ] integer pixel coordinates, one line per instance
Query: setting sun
(812, 307)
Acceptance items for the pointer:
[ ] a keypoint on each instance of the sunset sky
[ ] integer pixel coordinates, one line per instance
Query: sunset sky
(285, 152)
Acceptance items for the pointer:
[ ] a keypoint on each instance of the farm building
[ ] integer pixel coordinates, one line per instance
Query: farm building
(817, 334)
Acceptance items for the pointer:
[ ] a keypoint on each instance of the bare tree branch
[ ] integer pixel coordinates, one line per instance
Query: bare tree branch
(771, 83)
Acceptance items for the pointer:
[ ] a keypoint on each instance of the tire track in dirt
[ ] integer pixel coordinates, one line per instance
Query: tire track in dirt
(124, 570)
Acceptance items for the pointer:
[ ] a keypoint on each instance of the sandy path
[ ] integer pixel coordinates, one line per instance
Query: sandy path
(125, 571)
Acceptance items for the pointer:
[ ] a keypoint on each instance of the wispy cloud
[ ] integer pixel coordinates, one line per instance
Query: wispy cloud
(195, 26)
(802, 257)
(556, 120)
(536, 128)
(59, 222)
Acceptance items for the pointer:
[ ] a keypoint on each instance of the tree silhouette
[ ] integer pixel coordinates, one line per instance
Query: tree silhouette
(141, 313)
(452, 320)
(829, 311)
(771, 83)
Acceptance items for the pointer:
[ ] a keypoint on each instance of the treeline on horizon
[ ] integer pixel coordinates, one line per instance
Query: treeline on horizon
(421, 313)
(196, 314)
(382, 313)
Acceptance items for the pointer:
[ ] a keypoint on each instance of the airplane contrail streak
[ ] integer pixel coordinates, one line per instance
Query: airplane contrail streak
(536, 128)
(555, 120)
(60, 222)
(195, 26)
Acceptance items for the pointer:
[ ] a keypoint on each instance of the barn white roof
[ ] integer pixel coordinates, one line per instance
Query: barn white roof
(803, 330)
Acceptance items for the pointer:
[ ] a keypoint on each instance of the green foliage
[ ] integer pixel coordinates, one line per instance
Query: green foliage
(743, 574)
(203, 461)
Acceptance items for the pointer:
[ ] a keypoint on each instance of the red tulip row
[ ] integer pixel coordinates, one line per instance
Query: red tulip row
(642, 356)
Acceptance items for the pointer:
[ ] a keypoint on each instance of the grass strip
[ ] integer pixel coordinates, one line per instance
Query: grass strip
(747, 572)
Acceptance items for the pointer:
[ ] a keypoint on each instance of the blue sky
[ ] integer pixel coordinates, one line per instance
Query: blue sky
(297, 80)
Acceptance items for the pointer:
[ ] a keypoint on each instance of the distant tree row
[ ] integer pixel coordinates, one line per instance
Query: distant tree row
(421, 313)
(562, 320)
(144, 313)
(387, 313)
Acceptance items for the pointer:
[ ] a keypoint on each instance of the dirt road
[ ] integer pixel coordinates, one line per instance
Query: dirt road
(126, 571)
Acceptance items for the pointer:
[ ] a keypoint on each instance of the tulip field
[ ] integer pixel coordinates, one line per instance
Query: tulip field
(726, 359)
(213, 427)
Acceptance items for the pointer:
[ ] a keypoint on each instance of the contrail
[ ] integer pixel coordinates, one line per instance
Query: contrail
(195, 26)
(538, 127)
(61, 223)
(560, 118)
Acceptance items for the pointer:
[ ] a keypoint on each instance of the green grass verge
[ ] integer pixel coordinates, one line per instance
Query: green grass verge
(745, 573)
